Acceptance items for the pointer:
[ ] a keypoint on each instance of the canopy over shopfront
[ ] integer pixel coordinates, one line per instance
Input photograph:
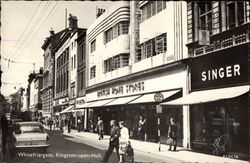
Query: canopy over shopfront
(206, 96)
(67, 110)
(149, 98)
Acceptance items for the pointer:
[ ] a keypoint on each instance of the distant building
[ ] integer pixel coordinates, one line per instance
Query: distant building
(35, 87)
(65, 67)
(49, 72)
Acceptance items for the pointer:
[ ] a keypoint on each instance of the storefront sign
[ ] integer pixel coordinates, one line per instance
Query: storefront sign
(222, 68)
(61, 101)
(123, 89)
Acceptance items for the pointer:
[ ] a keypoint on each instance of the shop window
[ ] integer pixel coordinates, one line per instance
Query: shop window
(92, 72)
(235, 13)
(205, 16)
(93, 46)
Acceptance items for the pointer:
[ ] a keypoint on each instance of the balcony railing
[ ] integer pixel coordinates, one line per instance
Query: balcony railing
(234, 40)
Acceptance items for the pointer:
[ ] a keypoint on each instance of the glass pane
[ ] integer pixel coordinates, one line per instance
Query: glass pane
(240, 13)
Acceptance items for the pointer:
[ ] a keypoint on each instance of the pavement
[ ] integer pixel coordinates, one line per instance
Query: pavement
(183, 155)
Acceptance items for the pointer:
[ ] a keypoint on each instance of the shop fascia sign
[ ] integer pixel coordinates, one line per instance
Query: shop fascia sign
(219, 69)
(80, 101)
(61, 101)
(131, 88)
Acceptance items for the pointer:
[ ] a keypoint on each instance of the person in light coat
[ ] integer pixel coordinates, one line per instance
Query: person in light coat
(123, 140)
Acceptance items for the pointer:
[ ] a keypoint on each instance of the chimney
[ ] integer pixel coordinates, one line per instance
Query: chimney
(72, 22)
(99, 12)
(51, 32)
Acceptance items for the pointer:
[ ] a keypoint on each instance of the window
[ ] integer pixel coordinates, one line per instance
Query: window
(235, 13)
(93, 46)
(74, 61)
(92, 72)
(118, 29)
(151, 8)
(153, 47)
(116, 62)
(148, 49)
(205, 16)
(124, 27)
(161, 44)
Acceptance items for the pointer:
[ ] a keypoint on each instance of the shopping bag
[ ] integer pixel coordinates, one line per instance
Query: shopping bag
(129, 151)
(170, 141)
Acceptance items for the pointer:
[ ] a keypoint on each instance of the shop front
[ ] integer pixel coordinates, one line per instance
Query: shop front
(219, 102)
(60, 105)
(135, 97)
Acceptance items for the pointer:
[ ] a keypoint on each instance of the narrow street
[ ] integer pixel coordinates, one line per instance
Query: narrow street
(64, 148)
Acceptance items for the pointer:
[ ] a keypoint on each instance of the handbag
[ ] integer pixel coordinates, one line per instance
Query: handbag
(129, 151)
(170, 141)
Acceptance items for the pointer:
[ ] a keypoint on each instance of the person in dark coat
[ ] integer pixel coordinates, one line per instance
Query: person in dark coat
(113, 141)
(172, 133)
(5, 130)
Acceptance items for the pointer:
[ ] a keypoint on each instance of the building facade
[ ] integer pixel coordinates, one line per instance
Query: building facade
(48, 74)
(132, 68)
(218, 43)
(66, 68)
(35, 87)
(81, 78)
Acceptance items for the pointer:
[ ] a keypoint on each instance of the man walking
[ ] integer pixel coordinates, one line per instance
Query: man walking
(99, 128)
(113, 142)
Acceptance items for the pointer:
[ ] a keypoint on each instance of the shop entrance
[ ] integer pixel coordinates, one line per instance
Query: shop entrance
(225, 121)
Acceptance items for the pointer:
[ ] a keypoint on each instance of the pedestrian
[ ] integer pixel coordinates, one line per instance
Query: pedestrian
(99, 128)
(50, 122)
(141, 127)
(113, 141)
(79, 123)
(5, 131)
(172, 133)
(69, 124)
(123, 140)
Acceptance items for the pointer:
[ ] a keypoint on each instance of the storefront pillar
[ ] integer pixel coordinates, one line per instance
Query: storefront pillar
(186, 127)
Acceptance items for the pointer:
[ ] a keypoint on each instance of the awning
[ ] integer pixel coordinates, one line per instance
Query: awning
(149, 98)
(79, 106)
(122, 100)
(100, 103)
(209, 95)
(67, 110)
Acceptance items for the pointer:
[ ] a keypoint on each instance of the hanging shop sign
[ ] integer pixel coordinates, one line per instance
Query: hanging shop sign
(158, 97)
(220, 69)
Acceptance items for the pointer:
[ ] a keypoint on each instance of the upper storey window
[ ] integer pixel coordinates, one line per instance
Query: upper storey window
(120, 28)
(93, 46)
(152, 8)
(235, 13)
(205, 16)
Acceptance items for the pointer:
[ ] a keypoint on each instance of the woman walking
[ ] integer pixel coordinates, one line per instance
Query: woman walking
(123, 140)
(172, 133)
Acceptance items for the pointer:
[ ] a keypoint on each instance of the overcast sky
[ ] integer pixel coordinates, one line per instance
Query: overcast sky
(26, 24)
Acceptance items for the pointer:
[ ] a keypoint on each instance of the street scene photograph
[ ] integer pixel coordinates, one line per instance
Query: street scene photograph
(125, 82)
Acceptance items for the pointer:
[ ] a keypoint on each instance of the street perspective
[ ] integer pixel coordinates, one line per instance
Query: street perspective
(125, 82)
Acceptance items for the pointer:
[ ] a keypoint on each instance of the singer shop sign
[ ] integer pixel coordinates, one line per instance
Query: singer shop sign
(223, 68)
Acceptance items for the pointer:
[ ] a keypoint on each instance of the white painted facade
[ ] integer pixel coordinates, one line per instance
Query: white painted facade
(172, 21)
(73, 64)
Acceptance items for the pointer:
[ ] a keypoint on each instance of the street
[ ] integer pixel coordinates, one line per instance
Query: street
(64, 148)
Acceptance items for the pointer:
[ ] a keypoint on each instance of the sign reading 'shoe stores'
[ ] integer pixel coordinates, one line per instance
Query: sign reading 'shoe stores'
(220, 69)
